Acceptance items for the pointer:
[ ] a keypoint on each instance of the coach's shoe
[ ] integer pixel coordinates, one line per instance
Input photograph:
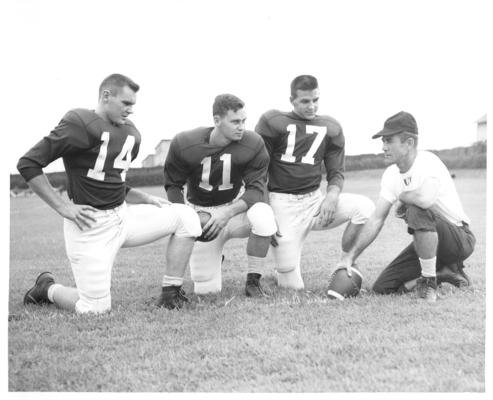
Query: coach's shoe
(253, 287)
(172, 297)
(38, 294)
(457, 278)
(427, 288)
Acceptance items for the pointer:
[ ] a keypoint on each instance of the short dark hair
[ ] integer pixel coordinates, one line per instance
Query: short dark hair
(225, 102)
(303, 82)
(115, 82)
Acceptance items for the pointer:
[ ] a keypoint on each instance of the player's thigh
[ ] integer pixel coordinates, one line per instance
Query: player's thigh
(454, 243)
(294, 217)
(146, 223)
(294, 213)
(354, 208)
(259, 219)
(237, 227)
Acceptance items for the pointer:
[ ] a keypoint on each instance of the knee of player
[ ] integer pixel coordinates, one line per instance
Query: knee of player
(364, 208)
(204, 275)
(420, 219)
(93, 306)
(285, 269)
(188, 222)
(262, 219)
(414, 213)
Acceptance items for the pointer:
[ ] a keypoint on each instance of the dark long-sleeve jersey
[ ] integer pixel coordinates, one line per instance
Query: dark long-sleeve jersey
(96, 155)
(214, 175)
(297, 148)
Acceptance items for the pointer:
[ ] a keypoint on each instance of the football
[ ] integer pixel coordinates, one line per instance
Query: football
(341, 285)
(204, 217)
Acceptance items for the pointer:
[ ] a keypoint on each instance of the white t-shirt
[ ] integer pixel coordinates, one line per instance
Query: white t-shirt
(425, 165)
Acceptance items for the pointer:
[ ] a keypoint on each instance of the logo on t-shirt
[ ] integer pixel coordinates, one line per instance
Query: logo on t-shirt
(407, 181)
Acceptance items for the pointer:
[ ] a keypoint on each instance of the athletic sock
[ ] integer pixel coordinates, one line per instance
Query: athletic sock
(255, 264)
(51, 291)
(172, 281)
(428, 266)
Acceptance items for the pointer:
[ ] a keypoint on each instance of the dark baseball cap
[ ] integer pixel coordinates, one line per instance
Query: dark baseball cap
(398, 123)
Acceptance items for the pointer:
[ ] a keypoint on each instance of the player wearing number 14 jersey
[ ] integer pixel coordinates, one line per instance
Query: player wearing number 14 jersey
(299, 142)
(216, 164)
(97, 147)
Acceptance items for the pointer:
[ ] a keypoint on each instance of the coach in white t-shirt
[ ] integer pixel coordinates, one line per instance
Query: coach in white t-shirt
(426, 198)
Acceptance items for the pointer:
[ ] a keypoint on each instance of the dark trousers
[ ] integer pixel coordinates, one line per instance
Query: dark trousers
(455, 244)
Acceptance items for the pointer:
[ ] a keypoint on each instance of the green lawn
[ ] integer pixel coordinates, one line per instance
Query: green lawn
(289, 342)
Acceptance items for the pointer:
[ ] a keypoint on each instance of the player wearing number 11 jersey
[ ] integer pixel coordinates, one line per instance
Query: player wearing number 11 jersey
(97, 147)
(299, 142)
(215, 164)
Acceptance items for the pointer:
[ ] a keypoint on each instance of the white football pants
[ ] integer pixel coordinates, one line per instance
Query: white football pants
(92, 251)
(205, 261)
(297, 215)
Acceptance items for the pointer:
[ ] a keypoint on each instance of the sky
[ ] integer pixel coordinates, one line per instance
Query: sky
(372, 59)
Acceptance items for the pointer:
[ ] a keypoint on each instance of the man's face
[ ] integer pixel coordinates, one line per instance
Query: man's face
(118, 107)
(305, 104)
(231, 125)
(394, 151)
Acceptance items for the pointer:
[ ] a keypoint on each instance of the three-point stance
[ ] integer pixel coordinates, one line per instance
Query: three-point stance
(216, 163)
(97, 148)
(426, 198)
(298, 143)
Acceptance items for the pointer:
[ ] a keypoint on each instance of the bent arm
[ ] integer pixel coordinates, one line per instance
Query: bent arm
(370, 230)
(220, 217)
(43, 188)
(81, 215)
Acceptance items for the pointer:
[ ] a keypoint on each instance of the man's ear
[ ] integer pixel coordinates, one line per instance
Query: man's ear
(106, 94)
(217, 119)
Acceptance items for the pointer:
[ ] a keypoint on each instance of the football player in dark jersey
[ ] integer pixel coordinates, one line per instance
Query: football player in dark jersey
(97, 147)
(299, 142)
(224, 168)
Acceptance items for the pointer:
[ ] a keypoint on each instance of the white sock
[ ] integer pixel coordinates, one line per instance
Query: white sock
(255, 264)
(428, 266)
(172, 281)
(51, 291)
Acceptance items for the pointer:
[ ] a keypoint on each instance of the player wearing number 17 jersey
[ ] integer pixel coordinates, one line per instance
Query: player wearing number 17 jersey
(97, 147)
(215, 164)
(299, 142)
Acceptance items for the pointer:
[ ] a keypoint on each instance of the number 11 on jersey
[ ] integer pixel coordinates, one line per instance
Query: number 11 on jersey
(206, 173)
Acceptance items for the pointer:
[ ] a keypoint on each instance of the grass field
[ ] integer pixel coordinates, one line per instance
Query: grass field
(289, 342)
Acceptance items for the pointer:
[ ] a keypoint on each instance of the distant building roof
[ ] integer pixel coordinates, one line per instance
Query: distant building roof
(482, 120)
(161, 141)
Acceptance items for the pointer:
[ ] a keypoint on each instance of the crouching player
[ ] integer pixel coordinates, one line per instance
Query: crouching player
(215, 163)
(97, 147)
(300, 143)
(421, 186)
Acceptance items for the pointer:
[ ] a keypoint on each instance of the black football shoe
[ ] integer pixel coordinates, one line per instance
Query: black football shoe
(253, 287)
(427, 288)
(172, 297)
(457, 278)
(38, 294)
